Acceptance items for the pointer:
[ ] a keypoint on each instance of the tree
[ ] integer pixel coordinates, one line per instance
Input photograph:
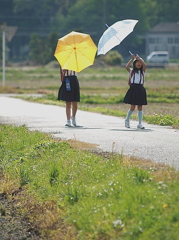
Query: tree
(36, 48)
(51, 45)
(41, 12)
(0, 45)
(42, 49)
(168, 10)
(89, 16)
(92, 15)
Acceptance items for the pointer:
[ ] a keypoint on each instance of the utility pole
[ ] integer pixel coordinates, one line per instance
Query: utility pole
(7, 33)
(3, 58)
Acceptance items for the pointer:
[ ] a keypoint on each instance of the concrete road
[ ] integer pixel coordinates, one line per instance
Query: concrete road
(157, 143)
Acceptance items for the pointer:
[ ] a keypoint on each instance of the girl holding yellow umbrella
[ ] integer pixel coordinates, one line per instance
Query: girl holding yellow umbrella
(70, 93)
(74, 52)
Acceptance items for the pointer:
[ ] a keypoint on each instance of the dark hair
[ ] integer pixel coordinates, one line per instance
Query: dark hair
(137, 69)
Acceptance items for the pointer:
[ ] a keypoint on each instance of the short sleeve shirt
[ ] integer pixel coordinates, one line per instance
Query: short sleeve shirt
(137, 77)
(69, 72)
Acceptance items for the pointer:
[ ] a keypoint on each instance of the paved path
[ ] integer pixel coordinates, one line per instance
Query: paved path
(156, 143)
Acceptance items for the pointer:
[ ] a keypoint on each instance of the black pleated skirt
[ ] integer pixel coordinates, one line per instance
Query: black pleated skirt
(74, 94)
(136, 95)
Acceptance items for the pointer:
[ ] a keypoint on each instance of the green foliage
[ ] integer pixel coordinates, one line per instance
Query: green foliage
(35, 47)
(54, 174)
(0, 45)
(167, 11)
(163, 120)
(97, 13)
(24, 176)
(51, 45)
(159, 96)
(104, 110)
(101, 99)
(104, 198)
(42, 49)
(45, 16)
(112, 58)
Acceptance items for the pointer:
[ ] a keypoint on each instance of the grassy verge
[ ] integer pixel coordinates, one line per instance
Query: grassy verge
(87, 195)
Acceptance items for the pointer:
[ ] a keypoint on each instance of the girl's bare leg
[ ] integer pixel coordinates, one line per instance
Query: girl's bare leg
(68, 110)
(132, 108)
(140, 114)
(139, 107)
(74, 108)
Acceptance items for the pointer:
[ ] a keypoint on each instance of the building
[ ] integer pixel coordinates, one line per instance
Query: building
(164, 37)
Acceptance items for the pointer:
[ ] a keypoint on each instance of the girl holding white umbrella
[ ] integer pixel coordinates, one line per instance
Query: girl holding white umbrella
(136, 94)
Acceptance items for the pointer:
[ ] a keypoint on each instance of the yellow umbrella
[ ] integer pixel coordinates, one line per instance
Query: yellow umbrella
(75, 51)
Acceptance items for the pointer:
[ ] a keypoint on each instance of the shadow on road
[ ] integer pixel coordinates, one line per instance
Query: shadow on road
(132, 130)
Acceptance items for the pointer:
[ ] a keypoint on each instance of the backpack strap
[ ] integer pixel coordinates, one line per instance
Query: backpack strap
(131, 75)
(143, 77)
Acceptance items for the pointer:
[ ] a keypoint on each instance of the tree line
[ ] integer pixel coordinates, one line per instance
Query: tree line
(41, 23)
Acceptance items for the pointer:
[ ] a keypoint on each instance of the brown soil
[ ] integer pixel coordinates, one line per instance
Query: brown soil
(13, 226)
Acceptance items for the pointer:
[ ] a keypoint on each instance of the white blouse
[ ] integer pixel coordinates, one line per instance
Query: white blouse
(68, 72)
(137, 77)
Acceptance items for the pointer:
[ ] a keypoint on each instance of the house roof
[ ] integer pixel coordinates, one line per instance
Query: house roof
(165, 27)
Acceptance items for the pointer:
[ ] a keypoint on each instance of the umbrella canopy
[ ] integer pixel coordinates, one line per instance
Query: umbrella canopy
(75, 51)
(115, 34)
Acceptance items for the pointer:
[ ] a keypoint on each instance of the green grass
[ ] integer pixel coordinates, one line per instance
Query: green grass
(101, 197)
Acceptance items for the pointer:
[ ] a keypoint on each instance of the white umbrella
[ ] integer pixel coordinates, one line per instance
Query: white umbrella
(115, 34)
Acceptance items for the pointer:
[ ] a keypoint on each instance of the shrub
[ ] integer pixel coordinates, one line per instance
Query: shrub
(112, 58)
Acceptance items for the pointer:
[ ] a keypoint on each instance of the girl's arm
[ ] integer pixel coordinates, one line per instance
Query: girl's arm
(129, 63)
(62, 73)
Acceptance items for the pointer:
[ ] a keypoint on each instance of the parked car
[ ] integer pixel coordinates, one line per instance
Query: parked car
(158, 57)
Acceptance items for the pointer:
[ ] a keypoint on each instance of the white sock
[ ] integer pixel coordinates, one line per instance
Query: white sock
(140, 114)
(73, 120)
(68, 122)
(129, 113)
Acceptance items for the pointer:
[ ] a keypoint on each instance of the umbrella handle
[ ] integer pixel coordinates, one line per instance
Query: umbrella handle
(132, 54)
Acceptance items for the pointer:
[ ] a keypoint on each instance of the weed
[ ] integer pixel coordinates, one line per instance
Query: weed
(140, 176)
(167, 120)
(24, 176)
(54, 174)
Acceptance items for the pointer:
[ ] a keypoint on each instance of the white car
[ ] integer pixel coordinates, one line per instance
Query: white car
(158, 57)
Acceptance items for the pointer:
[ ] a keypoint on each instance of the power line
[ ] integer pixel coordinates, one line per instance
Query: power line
(12, 1)
(22, 17)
